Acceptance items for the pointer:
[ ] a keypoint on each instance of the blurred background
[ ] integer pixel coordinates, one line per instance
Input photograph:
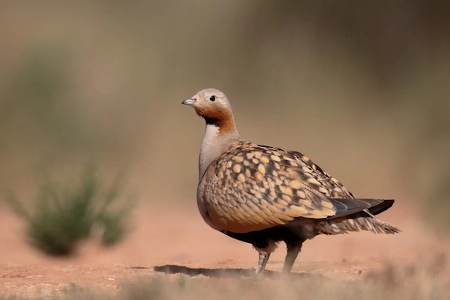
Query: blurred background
(361, 87)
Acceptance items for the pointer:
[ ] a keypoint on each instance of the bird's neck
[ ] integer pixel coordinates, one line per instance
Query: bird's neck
(215, 142)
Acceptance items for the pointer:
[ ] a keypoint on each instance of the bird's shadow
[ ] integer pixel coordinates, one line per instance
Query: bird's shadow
(224, 272)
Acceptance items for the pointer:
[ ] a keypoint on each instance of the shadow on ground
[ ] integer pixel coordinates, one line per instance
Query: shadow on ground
(222, 272)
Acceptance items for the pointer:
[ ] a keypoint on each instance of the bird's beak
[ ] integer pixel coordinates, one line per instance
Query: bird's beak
(188, 101)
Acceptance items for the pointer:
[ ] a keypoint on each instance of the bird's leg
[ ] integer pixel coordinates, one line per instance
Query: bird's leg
(262, 261)
(264, 254)
(293, 248)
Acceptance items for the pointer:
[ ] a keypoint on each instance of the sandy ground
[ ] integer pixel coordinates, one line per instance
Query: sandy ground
(179, 241)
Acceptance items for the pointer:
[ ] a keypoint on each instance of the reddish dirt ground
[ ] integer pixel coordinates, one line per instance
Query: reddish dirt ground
(168, 237)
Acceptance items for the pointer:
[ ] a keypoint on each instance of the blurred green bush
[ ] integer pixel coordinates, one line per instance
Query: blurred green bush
(63, 216)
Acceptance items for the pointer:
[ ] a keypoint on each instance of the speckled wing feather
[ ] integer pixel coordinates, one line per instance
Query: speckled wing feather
(334, 189)
(253, 187)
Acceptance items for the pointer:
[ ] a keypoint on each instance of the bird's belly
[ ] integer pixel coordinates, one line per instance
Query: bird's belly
(262, 238)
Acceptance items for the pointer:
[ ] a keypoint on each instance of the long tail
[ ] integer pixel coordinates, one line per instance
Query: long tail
(369, 223)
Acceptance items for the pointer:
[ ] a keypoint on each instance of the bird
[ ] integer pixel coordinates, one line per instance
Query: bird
(264, 195)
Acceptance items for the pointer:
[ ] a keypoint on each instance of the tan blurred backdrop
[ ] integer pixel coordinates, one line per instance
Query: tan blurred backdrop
(362, 87)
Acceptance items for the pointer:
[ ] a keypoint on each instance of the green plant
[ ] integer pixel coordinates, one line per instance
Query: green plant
(63, 217)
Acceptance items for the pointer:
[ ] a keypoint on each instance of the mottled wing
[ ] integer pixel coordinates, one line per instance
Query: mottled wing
(334, 189)
(257, 187)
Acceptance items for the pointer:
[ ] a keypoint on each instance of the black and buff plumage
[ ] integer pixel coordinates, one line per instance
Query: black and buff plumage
(263, 195)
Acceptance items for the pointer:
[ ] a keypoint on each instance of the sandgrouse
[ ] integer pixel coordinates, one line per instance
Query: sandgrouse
(263, 195)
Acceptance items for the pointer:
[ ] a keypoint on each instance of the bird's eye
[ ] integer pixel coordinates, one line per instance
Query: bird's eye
(212, 98)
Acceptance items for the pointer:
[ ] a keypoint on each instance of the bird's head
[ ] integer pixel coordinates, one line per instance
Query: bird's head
(214, 107)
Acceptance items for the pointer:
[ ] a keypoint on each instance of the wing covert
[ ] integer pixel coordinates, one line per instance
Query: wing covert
(256, 187)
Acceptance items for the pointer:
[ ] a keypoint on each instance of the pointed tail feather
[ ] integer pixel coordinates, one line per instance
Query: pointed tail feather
(358, 224)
